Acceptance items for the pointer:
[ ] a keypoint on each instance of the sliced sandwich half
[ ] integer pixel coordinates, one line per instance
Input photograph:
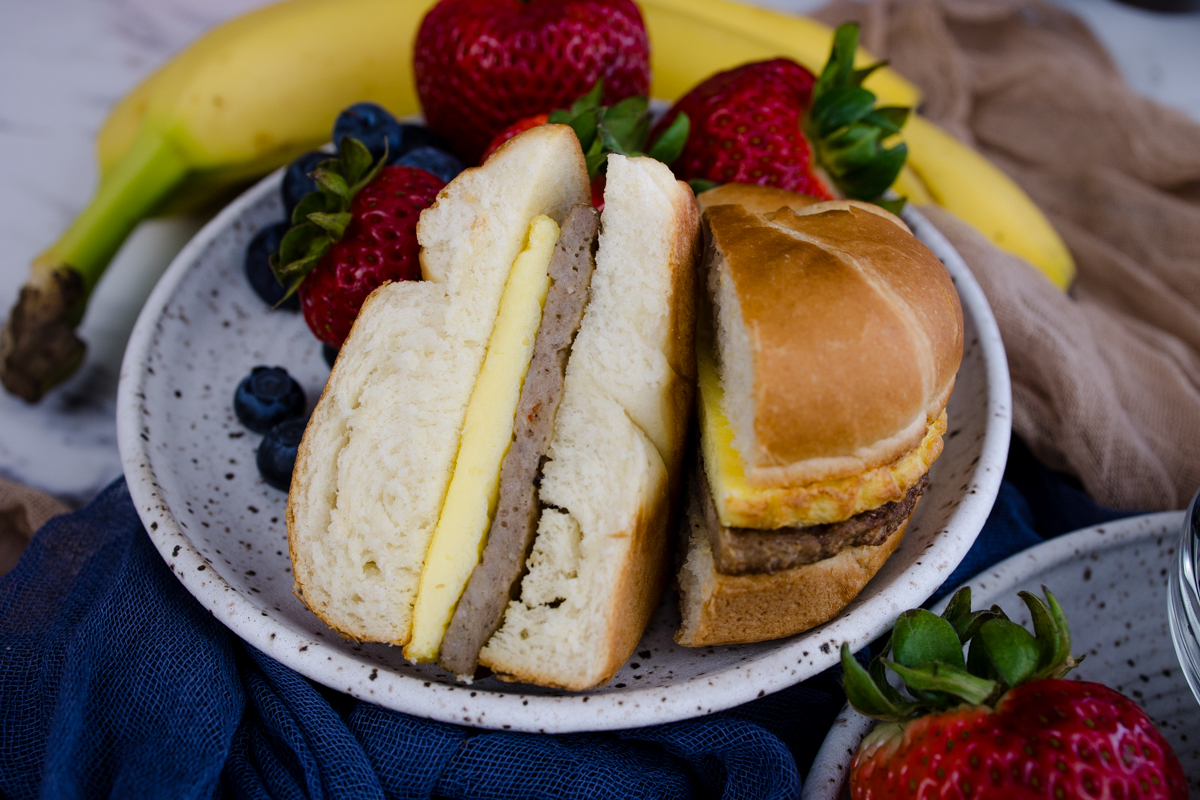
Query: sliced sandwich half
(545, 368)
(828, 348)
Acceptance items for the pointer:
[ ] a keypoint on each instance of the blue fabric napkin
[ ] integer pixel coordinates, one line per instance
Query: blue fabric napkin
(115, 682)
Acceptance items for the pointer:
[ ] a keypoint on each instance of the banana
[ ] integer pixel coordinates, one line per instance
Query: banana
(241, 100)
(968, 185)
(255, 92)
(692, 39)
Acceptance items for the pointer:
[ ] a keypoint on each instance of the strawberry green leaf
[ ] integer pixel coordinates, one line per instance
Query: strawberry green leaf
(315, 203)
(889, 119)
(935, 677)
(335, 224)
(840, 107)
(1044, 628)
(1062, 650)
(839, 70)
(895, 206)
(332, 182)
(631, 108)
(861, 75)
(699, 185)
(355, 158)
(878, 672)
(845, 129)
(596, 158)
(1011, 649)
(865, 695)
(920, 637)
(301, 250)
(610, 143)
(591, 100)
(873, 179)
(958, 608)
(585, 126)
(559, 116)
(669, 145)
(978, 662)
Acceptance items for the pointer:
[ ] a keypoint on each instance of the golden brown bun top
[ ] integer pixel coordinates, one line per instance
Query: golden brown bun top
(854, 328)
(756, 199)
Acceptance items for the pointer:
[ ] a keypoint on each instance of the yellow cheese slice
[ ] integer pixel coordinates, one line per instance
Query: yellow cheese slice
(461, 532)
(740, 505)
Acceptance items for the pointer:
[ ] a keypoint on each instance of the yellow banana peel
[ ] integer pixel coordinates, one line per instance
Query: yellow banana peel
(692, 39)
(943, 170)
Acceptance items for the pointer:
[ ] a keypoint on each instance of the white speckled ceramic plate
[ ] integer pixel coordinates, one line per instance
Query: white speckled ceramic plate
(1112, 583)
(220, 528)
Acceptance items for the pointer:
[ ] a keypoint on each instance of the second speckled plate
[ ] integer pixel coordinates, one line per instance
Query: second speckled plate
(1112, 583)
(190, 468)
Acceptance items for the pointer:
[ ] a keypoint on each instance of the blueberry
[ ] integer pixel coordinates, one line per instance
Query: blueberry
(297, 183)
(370, 124)
(266, 397)
(330, 353)
(414, 136)
(277, 452)
(430, 159)
(258, 267)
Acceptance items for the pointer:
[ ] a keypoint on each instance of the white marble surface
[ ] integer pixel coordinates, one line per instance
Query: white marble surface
(65, 62)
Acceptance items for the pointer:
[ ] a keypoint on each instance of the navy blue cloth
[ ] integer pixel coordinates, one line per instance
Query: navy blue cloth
(115, 682)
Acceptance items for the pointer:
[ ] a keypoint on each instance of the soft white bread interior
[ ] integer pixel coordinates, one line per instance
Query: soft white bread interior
(838, 336)
(377, 456)
(599, 561)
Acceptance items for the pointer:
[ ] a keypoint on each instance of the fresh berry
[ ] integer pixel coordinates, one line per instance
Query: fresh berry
(258, 267)
(520, 126)
(432, 160)
(276, 456)
(1000, 724)
(772, 123)
(481, 65)
(267, 397)
(297, 180)
(329, 353)
(370, 124)
(623, 128)
(412, 137)
(357, 233)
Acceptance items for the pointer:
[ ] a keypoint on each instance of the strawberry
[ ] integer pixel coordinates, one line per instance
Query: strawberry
(356, 233)
(774, 123)
(481, 65)
(623, 129)
(1000, 724)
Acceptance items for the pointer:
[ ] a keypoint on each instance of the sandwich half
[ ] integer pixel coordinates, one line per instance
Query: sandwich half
(829, 340)
(525, 405)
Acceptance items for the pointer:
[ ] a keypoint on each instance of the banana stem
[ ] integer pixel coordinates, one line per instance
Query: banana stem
(38, 346)
(139, 182)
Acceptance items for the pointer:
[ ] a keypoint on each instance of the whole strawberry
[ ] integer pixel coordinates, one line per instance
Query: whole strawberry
(623, 129)
(481, 65)
(356, 233)
(1000, 724)
(773, 123)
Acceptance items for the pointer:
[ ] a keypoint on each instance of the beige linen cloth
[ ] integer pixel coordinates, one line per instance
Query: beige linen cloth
(22, 512)
(1106, 382)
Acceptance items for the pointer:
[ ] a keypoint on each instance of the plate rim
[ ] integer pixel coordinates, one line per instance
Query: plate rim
(830, 767)
(538, 713)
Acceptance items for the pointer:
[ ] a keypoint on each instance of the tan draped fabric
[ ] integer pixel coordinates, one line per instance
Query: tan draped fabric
(22, 512)
(1106, 382)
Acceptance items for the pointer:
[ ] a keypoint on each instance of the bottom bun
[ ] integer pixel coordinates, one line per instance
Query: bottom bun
(736, 609)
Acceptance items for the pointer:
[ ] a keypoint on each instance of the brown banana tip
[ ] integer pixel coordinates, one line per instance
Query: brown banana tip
(38, 345)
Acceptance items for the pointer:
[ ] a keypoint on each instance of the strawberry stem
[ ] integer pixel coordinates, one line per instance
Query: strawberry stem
(847, 130)
(927, 656)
